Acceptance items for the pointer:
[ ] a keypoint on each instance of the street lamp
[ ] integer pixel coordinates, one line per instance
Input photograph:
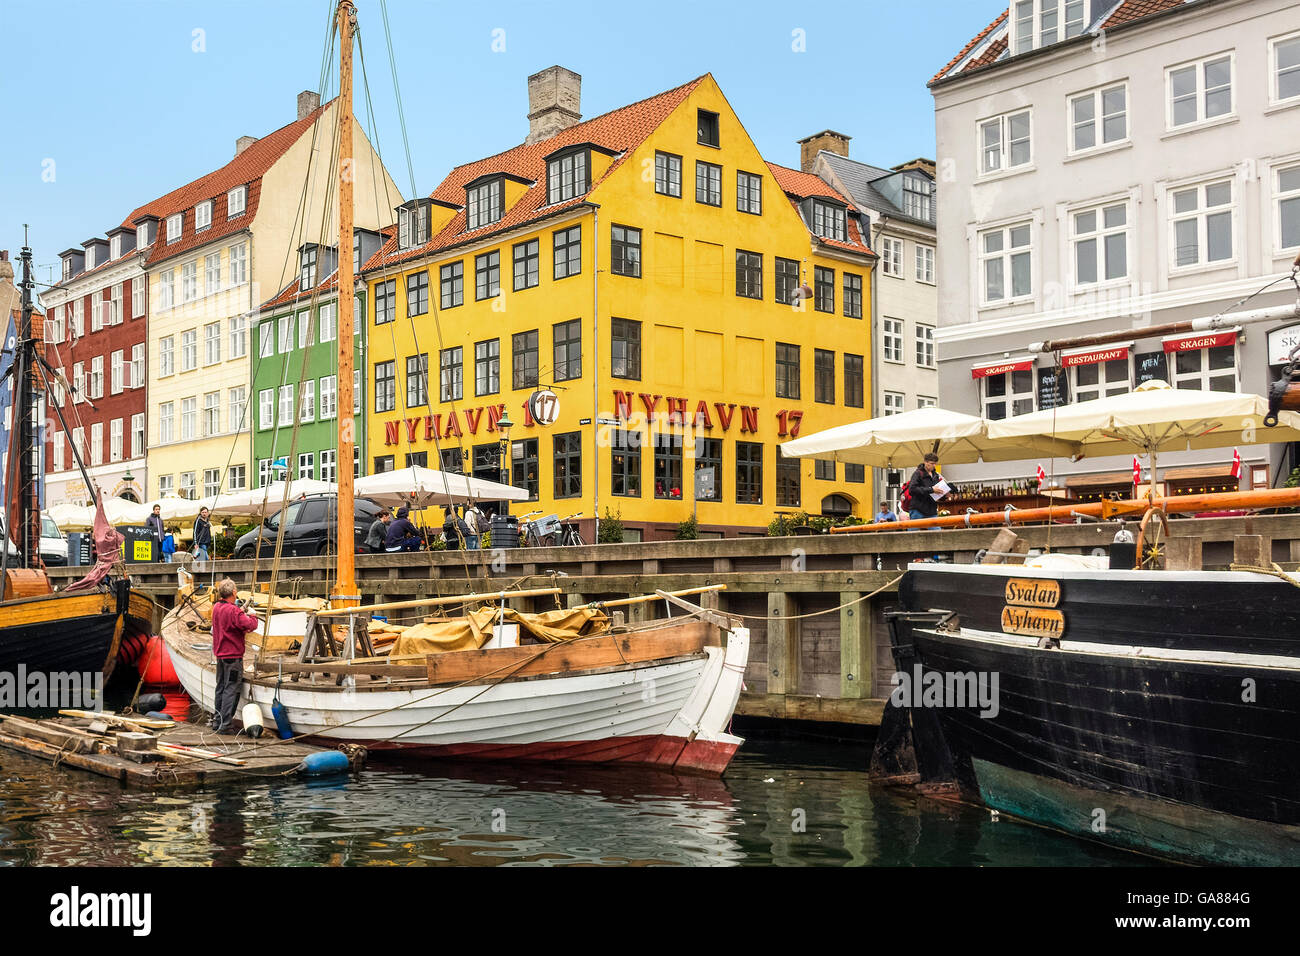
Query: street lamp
(504, 424)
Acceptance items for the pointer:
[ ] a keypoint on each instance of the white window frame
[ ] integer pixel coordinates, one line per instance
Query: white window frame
(238, 336)
(166, 484)
(142, 235)
(266, 409)
(116, 367)
(1006, 254)
(304, 329)
(96, 311)
(266, 338)
(115, 440)
(139, 296)
(892, 340)
(236, 202)
(307, 401)
(286, 410)
(211, 482)
(1097, 95)
(327, 322)
(894, 403)
(189, 350)
(1099, 235)
(174, 227)
(238, 256)
(1064, 29)
(924, 342)
(924, 264)
(1105, 387)
(306, 465)
(166, 423)
(237, 407)
(1201, 215)
(95, 388)
(1009, 397)
(329, 398)
(97, 443)
(1004, 143)
(190, 281)
(167, 289)
(235, 478)
(211, 343)
(189, 418)
(1278, 198)
(891, 256)
(212, 273)
(166, 356)
(328, 464)
(187, 486)
(137, 434)
(115, 247)
(1201, 91)
(203, 216)
(1202, 377)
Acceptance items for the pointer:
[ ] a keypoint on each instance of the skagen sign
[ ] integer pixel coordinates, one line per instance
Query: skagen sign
(1028, 592)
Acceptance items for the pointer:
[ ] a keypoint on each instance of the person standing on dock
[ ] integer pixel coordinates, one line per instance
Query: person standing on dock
(476, 525)
(229, 625)
(155, 525)
(920, 489)
(378, 532)
(202, 535)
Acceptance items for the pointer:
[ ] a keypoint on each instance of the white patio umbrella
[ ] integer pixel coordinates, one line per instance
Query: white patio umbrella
(70, 517)
(259, 502)
(422, 487)
(901, 441)
(174, 507)
(121, 511)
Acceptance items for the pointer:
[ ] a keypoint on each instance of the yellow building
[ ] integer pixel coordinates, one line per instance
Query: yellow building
(690, 305)
(221, 246)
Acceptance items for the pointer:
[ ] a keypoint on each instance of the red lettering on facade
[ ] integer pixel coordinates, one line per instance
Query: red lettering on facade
(411, 425)
(651, 402)
(796, 421)
(529, 422)
(622, 405)
(495, 413)
(472, 418)
(431, 423)
(748, 418)
(391, 434)
(725, 414)
(676, 411)
(702, 419)
(453, 426)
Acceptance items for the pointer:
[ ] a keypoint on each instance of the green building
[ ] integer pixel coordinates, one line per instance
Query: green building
(295, 369)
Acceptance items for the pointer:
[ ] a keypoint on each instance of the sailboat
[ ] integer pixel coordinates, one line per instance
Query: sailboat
(80, 629)
(575, 684)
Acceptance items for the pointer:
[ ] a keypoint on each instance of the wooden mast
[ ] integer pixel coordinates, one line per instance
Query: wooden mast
(346, 584)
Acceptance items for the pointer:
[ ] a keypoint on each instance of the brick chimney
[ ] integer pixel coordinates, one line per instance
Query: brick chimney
(554, 102)
(307, 101)
(6, 267)
(828, 140)
(243, 143)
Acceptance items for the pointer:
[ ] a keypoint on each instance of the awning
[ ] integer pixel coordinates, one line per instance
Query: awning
(999, 368)
(1203, 471)
(1200, 340)
(1109, 478)
(1105, 479)
(1094, 356)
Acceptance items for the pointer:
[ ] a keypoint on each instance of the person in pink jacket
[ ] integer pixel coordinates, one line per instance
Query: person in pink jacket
(229, 625)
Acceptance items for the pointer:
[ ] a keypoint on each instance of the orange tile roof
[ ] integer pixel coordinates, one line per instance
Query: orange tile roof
(246, 168)
(979, 38)
(799, 185)
(621, 130)
(1137, 9)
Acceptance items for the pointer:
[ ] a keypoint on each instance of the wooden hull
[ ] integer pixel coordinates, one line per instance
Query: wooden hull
(1164, 722)
(669, 710)
(67, 633)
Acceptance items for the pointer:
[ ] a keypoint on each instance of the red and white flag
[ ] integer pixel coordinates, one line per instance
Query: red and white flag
(1137, 471)
(1236, 464)
(1042, 476)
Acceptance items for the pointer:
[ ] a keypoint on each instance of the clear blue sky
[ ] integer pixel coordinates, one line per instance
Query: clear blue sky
(117, 97)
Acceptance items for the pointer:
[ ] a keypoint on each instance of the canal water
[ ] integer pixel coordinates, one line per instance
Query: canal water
(783, 801)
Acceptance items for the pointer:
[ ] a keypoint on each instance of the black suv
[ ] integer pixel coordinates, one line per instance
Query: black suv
(308, 525)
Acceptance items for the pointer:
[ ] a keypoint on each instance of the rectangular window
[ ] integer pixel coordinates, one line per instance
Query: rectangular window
(1043, 22)
(487, 275)
(327, 321)
(787, 280)
(1098, 118)
(236, 478)
(238, 336)
(189, 418)
(487, 367)
(1288, 207)
(116, 366)
(526, 257)
(749, 193)
(329, 458)
(417, 380)
(568, 251)
(892, 337)
(137, 435)
(749, 274)
(1005, 142)
(78, 382)
(96, 311)
(451, 374)
(625, 251)
(523, 359)
(524, 466)
(787, 370)
(823, 289)
(417, 293)
(238, 404)
(625, 463)
(568, 350)
(708, 183)
(211, 413)
(1006, 254)
(329, 400)
(894, 403)
(668, 174)
(307, 401)
(925, 264)
(625, 356)
(166, 292)
(238, 256)
(829, 221)
(1099, 379)
(174, 227)
(286, 333)
(139, 297)
(708, 469)
(668, 466)
(189, 281)
(451, 279)
(307, 465)
(304, 330)
(788, 481)
(383, 463)
(236, 201)
(212, 273)
(926, 401)
(79, 449)
(749, 473)
(925, 345)
(385, 386)
(1201, 223)
(1100, 244)
(568, 465)
(452, 461)
(385, 301)
(852, 295)
(203, 216)
(115, 440)
(212, 343)
(96, 388)
(286, 405)
(918, 198)
(165, 485)
(97, 443)
(853, 380)
(484, 204)
(1011, 393)
(707, 128)
(1210, 370)
(266, 339)
(1199, 91)
(266, 409)
(115, 305)
(824, 469)
(567, 177)
(824, 376)
(1285, 53)
(264, 472)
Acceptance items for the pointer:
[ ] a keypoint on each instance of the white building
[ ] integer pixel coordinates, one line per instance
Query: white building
(899, 205)
(1117, 164)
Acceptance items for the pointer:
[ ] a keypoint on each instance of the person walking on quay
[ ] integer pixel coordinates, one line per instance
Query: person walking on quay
(378, 532)
(202, 536)
(402, 535)
(451, 529)
(155, 525)
(475, 524)
(229, 625)
(920, 489)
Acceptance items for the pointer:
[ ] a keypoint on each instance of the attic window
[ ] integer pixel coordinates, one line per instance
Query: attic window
(484, 203)
(203, 216)
(707, 128)
(308, 277)
(568, 175)
(174, 227)
(115, 247)
(1039, 23)
(236, 201)
(828, 221)
(917, 201)
(413, 224)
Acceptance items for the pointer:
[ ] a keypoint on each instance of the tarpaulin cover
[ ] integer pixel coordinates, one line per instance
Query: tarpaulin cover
(475, 629)
(108, 551)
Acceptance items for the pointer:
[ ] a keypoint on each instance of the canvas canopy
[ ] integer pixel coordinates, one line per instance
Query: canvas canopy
(474, 629)
(421, 487)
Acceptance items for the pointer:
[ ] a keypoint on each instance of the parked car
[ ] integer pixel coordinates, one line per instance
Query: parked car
(54, 546)
(309, 527)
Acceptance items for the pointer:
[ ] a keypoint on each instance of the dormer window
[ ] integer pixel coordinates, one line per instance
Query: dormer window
(707, 128)
(829, 221)
(356, 253)
(145, 232)
(308, 276)
(568, 175)
(67, 268)
(90, 258)
(413, 224)
(203, 216)
(484, 203)
(115, 247)
(236, 201)
(1039, 23)
(917, 198)
(174, 227)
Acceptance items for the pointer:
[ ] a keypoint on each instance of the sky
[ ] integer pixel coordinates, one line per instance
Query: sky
(112, 103)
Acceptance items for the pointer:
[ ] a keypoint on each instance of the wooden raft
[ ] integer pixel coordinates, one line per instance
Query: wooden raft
(68, 742)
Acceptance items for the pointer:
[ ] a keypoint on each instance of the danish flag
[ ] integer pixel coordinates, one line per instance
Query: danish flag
(1137, 471)
(1042, 475)
(1236, 464)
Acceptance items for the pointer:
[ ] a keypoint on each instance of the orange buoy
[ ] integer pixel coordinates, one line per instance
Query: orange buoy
(155, 664)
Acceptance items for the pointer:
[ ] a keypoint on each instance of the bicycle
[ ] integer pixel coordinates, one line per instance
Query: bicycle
(539, 533)
(570, 535)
